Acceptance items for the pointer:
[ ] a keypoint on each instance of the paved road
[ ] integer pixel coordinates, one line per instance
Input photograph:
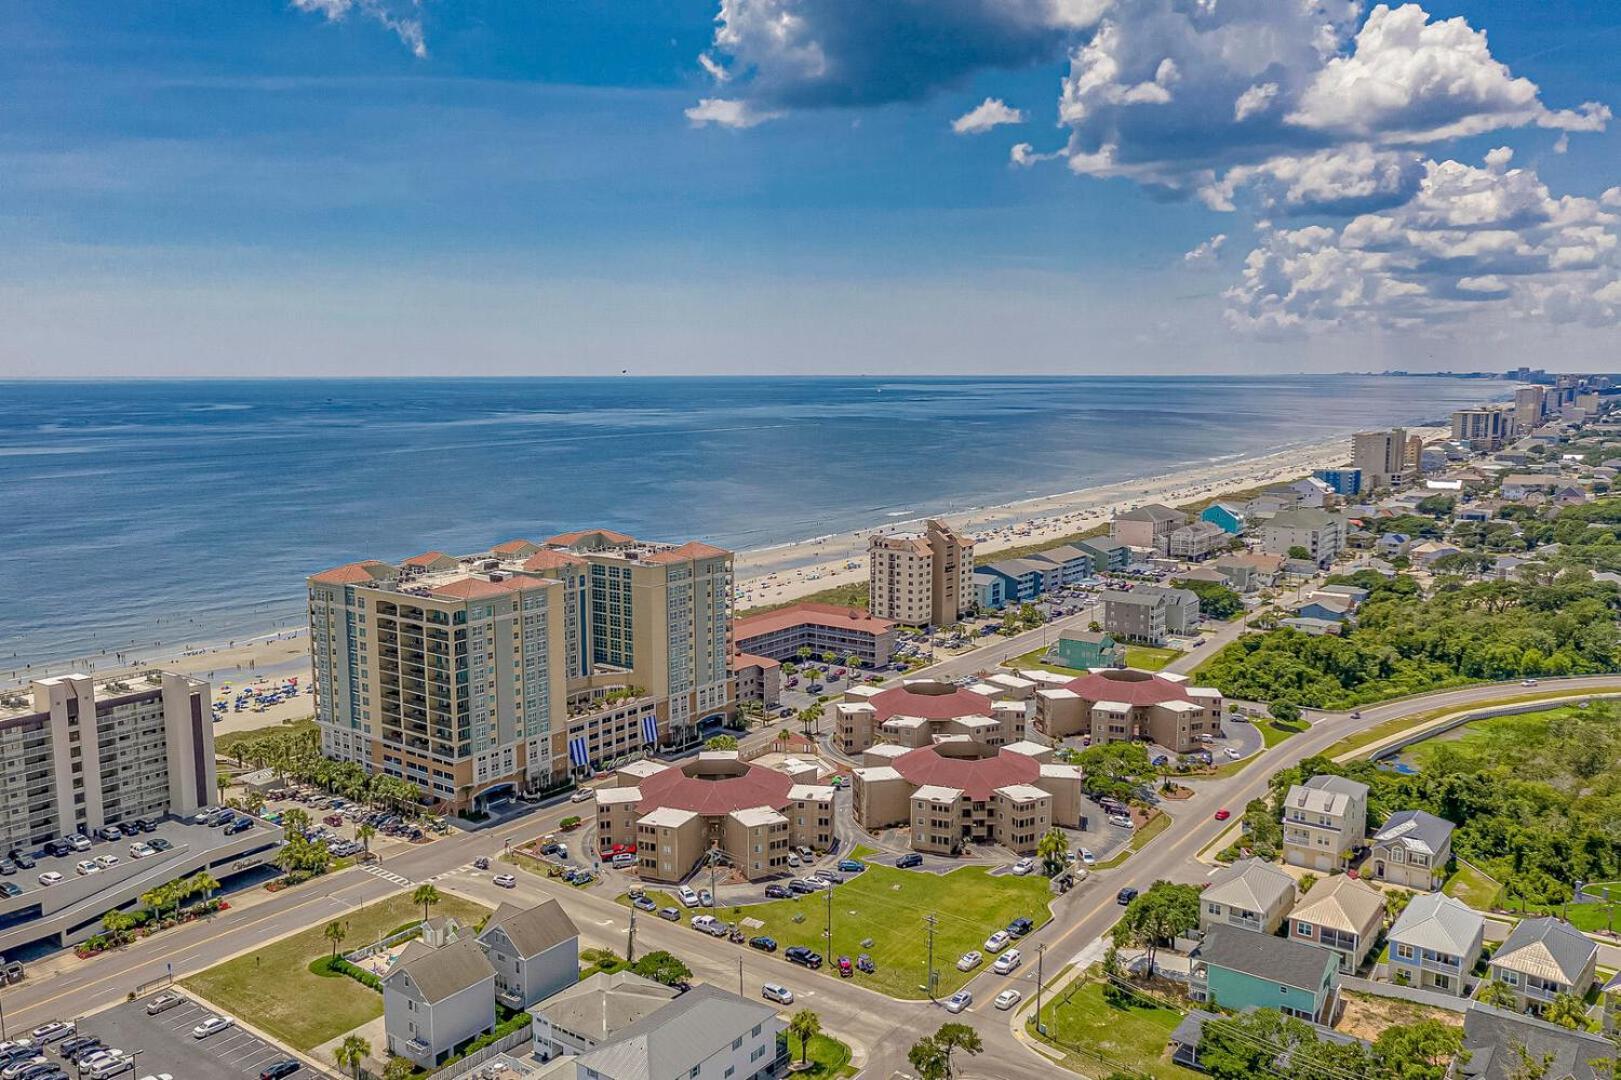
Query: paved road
(884, 1027)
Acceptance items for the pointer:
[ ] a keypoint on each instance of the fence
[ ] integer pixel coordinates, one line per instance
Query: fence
(1414, 994)
(472, 1061)
(366, 951)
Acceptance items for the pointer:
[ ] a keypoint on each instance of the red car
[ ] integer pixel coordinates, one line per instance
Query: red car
(1222, 814)
(845, 969)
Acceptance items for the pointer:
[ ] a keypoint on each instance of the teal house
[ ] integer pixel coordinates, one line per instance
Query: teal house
(1225, 516)
(1239, 970)
(1084, 649)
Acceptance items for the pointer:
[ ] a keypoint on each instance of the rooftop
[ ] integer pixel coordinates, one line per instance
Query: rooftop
(1263, 956)
(439, 973)
(1341, 903)
(928, 700)
(1129, 685)
(1546, 948)
(830, 615)
(532, 930)
(603, 1005)
(975, 776)
(1438, 922)
(677, 1038)
(1249, 884)
(715, 785)
(34, 699)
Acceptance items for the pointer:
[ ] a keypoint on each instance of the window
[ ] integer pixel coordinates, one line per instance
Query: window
(1303, 928)
(1404, 952)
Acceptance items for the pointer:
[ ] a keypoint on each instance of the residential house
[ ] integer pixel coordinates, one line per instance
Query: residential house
(1324, 821)
(1241, 970)
(434, 1000)
(1392, 544)
(1496, 1044)
(1341, 914)
(1106, 554)
(1148, 527)
(535, 952)
(1354, 593)
(1074, 564)
(583, 1017)
(1378, 566)
(1412, 848)
(1238, 576)
(1314, 627)
(1543, 958)
(990, 591)
(1436, 943)
(1084, 649)
(1427, 553)
(1227, 517)
(1262, 569)
(1024, 579)
(1325, 607)
(1321, 533)
(1149, 613)
(1516, 486)
(1250, 894)
(1197, 541)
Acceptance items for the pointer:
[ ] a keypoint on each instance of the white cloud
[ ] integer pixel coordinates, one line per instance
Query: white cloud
(1254, 101)
(727, 112)
(1205, 253)
(1024, 155)
(714, 68)
(400, 16)
(986, 115)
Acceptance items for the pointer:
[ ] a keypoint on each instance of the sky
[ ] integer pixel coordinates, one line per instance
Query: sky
(465, 187)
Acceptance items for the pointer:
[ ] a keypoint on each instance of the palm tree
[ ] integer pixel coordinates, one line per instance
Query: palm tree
(1568, 1011)
(1051, 851)
(1497, 994)
(351, 1052)
(335, 932)
(222, 783)
(805, 1025)
(364, 833)
(117, 923)
(427, 896)
(399, 1068)
(253, 801)
(202, 882)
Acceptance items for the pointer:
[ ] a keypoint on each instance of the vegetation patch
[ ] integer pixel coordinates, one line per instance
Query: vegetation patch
(1149, 657)
(1101, 1034)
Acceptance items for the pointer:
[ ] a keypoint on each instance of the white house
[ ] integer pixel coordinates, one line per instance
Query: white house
(535, 952)
(436, 999)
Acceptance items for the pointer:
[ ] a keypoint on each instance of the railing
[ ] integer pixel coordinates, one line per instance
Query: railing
(472, 1061)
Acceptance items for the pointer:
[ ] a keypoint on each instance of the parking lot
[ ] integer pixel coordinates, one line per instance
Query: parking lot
(166, 1045)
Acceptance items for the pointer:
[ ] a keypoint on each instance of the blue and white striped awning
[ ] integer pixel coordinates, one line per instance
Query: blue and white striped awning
(650, 728)
(577, 754)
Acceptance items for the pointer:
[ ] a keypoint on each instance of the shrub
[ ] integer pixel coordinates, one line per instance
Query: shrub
(331, 966)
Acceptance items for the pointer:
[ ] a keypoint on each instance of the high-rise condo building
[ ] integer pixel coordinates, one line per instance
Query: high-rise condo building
(1487, 428)
(483, 675)
(76, 755)
(921, 579)
(1381, 456)
(1529, 406)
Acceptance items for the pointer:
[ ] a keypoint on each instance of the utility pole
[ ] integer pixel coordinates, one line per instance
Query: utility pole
(630, 940)
(714, 852)
(929, 976)
(828, 933)
(739, 976)
(1041, 1028)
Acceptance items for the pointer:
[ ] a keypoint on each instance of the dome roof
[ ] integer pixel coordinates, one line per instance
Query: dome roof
(1129, 685)
(929, 700)
(977, 777)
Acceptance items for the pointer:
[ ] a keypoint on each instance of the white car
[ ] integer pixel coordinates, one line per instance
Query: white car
(21, 1065)
(1008, 998)
(959, 1001)
(1007, 962)
(1232, 752)
(51, 1032)
(212, 1026)
(141, 851)
(582, 795)
(50, 877)
(113, 1066)
(505, 881)
(793, 860)
(106, 862)
(1120, 821)
(998, 941)
(970, 960)
(687, 897)
(780, 994)
(1087, 858)
(87, 866)
(1024, 866)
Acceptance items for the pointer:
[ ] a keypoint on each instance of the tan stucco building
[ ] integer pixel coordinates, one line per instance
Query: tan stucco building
(1115, 704)
(921, 579)
(673, 815)
(917, 712)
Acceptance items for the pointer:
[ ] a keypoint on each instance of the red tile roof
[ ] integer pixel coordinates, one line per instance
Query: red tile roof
(514, 547)
(907, 701)
(355, 573)
(846, 618)
(975, 777)
(687, 552)
(427, 558)
(551, 560)
(477, 588)
(1141, 688)
(569, 539)
(743, 660)
(758, 786)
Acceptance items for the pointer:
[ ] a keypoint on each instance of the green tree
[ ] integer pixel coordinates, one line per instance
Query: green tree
(1568, 1011)
(805, 653)
(1497, 994)
(1216, 600)
(1051, 849)
(351, 1052)
(399, 1068)
(1284, 711)
(426, 895)
(1421, 1051)
(662, 967)
(117, 924)
(721, 742)
(929, 1059)
(1298, 552)
(953, 1037)
(335, 932)
(364, 833)
(1157, 917)
(805, 1026)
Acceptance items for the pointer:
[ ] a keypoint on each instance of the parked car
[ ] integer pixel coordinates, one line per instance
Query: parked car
(1232, 752)
(87, 866)
(79, 842)
(278, 1069)
(7, 867)
(505, 881)
(959, 1001)
(705, 898)
(240, 825)
(710, 925)
(763, 943)
(687, 896)
(851, 866)
(799, 954)
(1007, 999)
(644, 903)
(1087, 858)
(1007, 962)
(1120, 821)
(1023, 867)
(793, 860)
(846, 969)
(50, 877)
(1125, 896)
(670, 913)
(777, 892)
(163, 1003)
(160, 844)
(1020, 927)
(830, 876)
(109, 833)
(52, 1031)
(780, 994)
(909, 860)
(998, 941)
(212, 1026)
(141, 851)
(106, 862)
(799, 887)
(23, 860)
(864, 963)
(970, 960)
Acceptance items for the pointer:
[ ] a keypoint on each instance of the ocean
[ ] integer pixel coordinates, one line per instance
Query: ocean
(141, 512)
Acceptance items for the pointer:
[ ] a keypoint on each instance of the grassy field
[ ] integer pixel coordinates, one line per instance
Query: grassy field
(273, 989)
(1148, 658)
(852, 595)
(223, 744)
(889, 906)
(1389, 728)
(829, 1058)
(1473, 887)
(1032, 659)
(1272, 732)
(1100, 1037)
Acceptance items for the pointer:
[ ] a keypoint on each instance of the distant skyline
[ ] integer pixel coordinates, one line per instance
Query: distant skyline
(472, 187)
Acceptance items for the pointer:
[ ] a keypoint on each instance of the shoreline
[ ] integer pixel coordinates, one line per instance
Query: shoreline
(782, 573)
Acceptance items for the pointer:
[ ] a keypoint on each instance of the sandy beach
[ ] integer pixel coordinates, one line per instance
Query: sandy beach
(764, 576)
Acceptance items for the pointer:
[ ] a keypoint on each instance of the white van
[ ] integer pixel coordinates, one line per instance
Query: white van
(624, 860)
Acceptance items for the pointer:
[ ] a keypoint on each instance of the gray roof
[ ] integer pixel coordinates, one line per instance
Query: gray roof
(1307, 518)
(1063, 553)
(440, 973)
(689, 1030)
(1249, 884)
(603, 1005)
(1416, 830)
(1326, 794)
(1547, 948)
(1152, 512)
(1263, 956)
(1492, 1037)
(1437, 922)
(1020, 567)
(1090, 637)
(532, 930)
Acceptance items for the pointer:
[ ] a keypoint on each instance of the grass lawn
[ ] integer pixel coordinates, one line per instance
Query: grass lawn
(273, 988)
(829, 1058)
(1032, 659)
(1101, 1037)
(223, 744)
(1142, 836)
(1149, 658)
(888, 906)
(1273, 732)
(854, 595)
(1472, 887)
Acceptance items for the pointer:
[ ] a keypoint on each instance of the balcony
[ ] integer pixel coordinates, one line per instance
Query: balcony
(1246, 921)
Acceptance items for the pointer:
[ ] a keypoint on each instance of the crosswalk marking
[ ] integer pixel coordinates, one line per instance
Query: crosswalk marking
(388, 875)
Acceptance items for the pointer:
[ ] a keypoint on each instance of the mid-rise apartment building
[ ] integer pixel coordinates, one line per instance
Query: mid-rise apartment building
(1148, 527)
(1320, 532)
(1150, 613)
(921, 579)
(479, 676)
(1381, 457)
(75, 756)
(1487, 428)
